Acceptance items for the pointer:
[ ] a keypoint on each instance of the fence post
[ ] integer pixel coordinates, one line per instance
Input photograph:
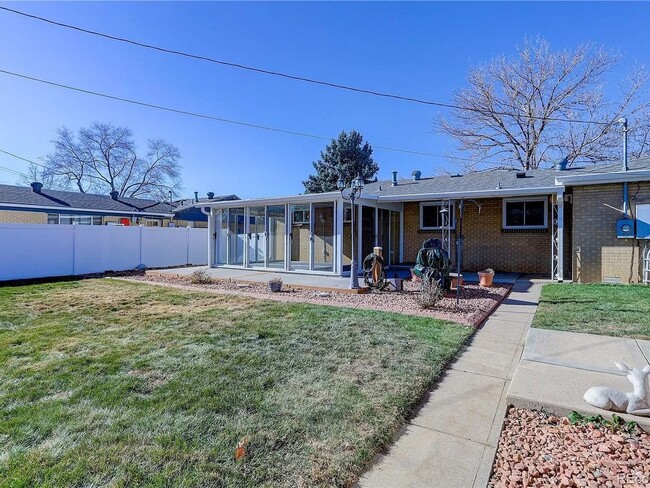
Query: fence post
(74, 247)
(187, 247)
(140, 246)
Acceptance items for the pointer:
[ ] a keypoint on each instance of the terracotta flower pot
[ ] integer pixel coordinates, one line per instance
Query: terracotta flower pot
(485, 279)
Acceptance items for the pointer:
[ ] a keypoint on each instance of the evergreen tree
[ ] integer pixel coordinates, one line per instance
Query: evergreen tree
(345, 157)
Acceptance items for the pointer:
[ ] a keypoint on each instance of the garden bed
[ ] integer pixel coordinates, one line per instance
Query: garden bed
(476, 302)
(539, 450)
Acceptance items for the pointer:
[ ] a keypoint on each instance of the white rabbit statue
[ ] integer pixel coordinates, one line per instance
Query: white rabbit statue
(635, 403)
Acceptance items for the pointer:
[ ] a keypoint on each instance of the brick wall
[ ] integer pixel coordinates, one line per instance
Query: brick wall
(20, 217)
(486, 245)
(597, 254)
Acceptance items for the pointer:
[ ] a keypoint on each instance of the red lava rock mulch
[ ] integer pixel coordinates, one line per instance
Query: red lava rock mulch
(476, 302)
(539, 450)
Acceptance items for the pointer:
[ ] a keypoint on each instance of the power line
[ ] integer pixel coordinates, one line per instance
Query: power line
(9, 170)
(280, 74)
(211, 117)
(22, 159)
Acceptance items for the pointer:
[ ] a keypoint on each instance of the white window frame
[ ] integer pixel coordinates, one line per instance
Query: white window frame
(524, 199)
(304, 211)
(452, 211)
(76, 216)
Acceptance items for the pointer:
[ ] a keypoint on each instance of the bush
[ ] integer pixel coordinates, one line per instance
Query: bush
(201, 277)
(431, 292)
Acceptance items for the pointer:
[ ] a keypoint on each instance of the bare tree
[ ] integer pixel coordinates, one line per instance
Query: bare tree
(102, 158)
(524, 111)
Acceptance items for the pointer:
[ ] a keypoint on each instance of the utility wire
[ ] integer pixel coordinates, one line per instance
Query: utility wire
(22, 159)
(9, 170)
(290, 76)
(211, 117)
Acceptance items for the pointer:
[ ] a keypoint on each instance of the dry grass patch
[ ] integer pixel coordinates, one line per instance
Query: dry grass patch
(114, 383)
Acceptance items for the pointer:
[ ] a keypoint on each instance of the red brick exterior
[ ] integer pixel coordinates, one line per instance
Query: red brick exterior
(486, 245)
(597, 254)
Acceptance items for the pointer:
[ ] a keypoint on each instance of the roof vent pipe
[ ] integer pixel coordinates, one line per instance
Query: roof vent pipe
(394, 180)
(561, 164)
(416, 175)
(210, 195)
(196, 196)
(114, 194)
(37, 187)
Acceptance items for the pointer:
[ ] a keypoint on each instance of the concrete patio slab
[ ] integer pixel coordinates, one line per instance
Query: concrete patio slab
(485, 358)
(310, 281)
(645, 348)
(463, 405)
(426, 458)
(583, 351)
(503, 331)
(559, 389)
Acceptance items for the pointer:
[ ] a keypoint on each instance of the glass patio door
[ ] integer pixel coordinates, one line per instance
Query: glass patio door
(257, 236)
(277, 226)
(300, 236)
(323, 237)
(236, 236)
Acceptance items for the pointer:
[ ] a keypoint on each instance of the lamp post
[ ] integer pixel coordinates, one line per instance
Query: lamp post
(356, 185)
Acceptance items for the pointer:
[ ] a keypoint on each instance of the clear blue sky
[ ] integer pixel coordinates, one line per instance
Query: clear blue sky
(416, 49)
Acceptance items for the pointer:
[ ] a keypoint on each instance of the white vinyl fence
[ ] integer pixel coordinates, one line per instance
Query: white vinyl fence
(42, 250)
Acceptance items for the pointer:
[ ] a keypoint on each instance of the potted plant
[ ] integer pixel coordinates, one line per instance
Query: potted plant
(275, 284)
(486, 276)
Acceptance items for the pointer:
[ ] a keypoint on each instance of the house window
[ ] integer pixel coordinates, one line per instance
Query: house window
(432, 219)
(300, 215)
(347, 215)
(152, 223)
(525, 214)
(74, 219)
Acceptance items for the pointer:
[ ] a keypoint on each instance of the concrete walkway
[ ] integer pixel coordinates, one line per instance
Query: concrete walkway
(558, 367)
(452, 440)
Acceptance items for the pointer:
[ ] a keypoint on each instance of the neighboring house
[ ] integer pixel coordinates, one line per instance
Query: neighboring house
(37, 205)
(562, 223)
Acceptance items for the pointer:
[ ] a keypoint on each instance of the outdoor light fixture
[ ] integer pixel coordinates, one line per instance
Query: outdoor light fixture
(356, 185)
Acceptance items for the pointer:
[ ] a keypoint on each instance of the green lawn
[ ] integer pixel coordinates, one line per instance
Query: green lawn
(105, 382)
(616, 310)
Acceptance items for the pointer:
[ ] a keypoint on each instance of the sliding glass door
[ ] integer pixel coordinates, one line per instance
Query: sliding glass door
(277, 227)
(323, 237)
(300, 236)
(256, 236)
(237, 236)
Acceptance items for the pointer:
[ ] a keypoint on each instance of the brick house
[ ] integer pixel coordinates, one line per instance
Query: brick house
(36, 205)
(568, 224)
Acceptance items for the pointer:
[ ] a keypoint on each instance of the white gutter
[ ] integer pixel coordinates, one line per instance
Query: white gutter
(496, 193)
(37, 208)
(602, 178)
(308, 198)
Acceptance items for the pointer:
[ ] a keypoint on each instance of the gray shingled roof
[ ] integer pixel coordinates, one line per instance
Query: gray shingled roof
(505, 179)
(24, 195)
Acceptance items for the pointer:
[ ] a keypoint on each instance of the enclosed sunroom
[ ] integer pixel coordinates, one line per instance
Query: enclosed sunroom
(303, 233)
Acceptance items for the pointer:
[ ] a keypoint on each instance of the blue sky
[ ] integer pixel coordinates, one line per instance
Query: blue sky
(416, 49)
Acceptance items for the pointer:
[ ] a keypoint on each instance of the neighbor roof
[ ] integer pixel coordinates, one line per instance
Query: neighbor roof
(488, 180)
(56, 199)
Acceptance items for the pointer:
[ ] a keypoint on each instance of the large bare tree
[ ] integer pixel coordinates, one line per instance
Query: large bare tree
(102, 158)
(525, 111)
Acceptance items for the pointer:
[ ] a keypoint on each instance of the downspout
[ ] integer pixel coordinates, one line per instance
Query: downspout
(623, 122)
(212, 233)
